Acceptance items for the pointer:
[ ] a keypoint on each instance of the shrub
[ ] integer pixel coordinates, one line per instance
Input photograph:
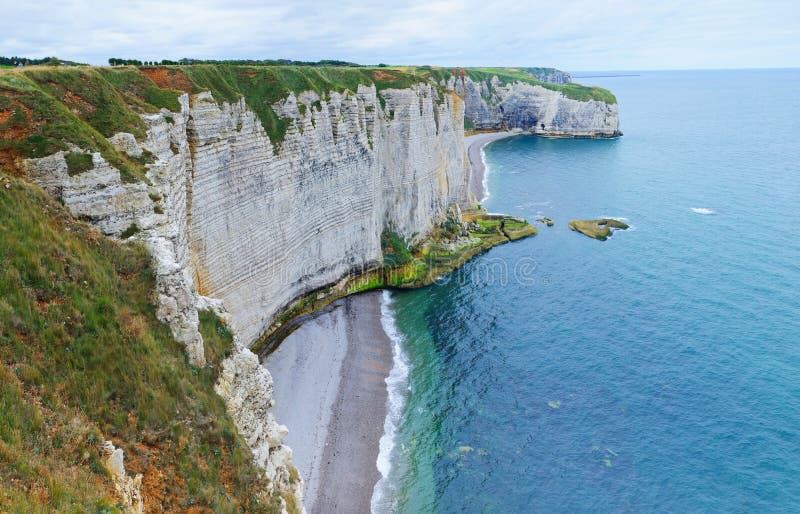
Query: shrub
(77, 163)
(395, 249)
(129, 232)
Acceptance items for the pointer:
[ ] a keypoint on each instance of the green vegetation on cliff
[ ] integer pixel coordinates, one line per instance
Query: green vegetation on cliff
(449, 245)
(262, 86)
(571, 90)
(44, 109)
(83, 358)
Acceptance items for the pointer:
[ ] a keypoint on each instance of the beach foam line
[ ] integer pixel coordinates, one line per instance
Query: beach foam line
(485, 179)
(703, 210)
(383, 499)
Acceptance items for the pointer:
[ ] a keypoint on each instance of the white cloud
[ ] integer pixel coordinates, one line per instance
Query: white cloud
(581, 34)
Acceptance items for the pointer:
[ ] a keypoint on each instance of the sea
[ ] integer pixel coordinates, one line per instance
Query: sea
(657, 371)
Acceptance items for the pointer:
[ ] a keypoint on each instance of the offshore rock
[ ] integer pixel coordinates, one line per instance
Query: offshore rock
(597, 229)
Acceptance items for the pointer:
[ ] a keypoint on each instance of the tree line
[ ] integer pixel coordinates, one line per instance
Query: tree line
(26, 61)
(114, 61)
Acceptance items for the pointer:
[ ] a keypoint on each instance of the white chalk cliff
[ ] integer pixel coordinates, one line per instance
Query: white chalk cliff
(533, 108)
(242, 225)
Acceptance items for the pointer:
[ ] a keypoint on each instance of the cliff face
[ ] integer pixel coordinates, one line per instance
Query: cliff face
(268, 225)
(551, 75)
(231, 216)
(492, 105)
(242, 224)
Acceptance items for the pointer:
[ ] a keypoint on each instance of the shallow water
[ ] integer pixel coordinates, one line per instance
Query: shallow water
(656, 371)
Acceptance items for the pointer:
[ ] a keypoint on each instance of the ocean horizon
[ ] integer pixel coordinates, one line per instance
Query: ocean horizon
(656, 371)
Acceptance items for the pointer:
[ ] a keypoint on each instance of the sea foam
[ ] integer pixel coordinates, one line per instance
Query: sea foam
(383, 498)
(485, 179)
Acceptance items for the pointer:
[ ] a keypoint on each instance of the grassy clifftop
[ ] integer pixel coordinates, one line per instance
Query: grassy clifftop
(82, 357)
(511, 75)
(571, 90)
(44, 109)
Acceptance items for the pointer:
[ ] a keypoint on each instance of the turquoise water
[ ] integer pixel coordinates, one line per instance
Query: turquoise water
(656, 371)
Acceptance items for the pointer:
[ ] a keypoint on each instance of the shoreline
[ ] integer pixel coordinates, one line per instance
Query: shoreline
(334, 374)
(330, 390)
(475, 144)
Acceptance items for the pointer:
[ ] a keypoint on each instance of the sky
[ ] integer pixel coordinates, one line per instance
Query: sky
(575, 35)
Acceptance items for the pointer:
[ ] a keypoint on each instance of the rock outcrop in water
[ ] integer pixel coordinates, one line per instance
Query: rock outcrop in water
(597, 229)
(229, 214)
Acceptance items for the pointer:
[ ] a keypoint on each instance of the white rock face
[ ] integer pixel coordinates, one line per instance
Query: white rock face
(126, 143)
(129, 489)
(97, 195)
(269, 225)
(246, 387)
(536, 109)
(242, 226)
(550, 75)
(168, 240)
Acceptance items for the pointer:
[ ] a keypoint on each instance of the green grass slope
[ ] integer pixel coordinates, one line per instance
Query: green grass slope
(571, 90)
(82, 357)
(44, 109)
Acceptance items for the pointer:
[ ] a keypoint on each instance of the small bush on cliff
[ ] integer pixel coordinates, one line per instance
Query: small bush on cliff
(78, 162)
(395, 249)
(129, 232)
(83, 357)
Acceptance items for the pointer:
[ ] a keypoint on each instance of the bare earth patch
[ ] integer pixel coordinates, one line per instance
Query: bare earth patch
(166, 78)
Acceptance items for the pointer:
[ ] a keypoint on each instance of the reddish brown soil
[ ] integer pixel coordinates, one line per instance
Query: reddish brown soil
(77, 102)
(382, 75)
(168, 79)
(8, 156)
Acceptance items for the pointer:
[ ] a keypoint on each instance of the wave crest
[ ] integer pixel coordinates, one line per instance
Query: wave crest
(396, 385)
